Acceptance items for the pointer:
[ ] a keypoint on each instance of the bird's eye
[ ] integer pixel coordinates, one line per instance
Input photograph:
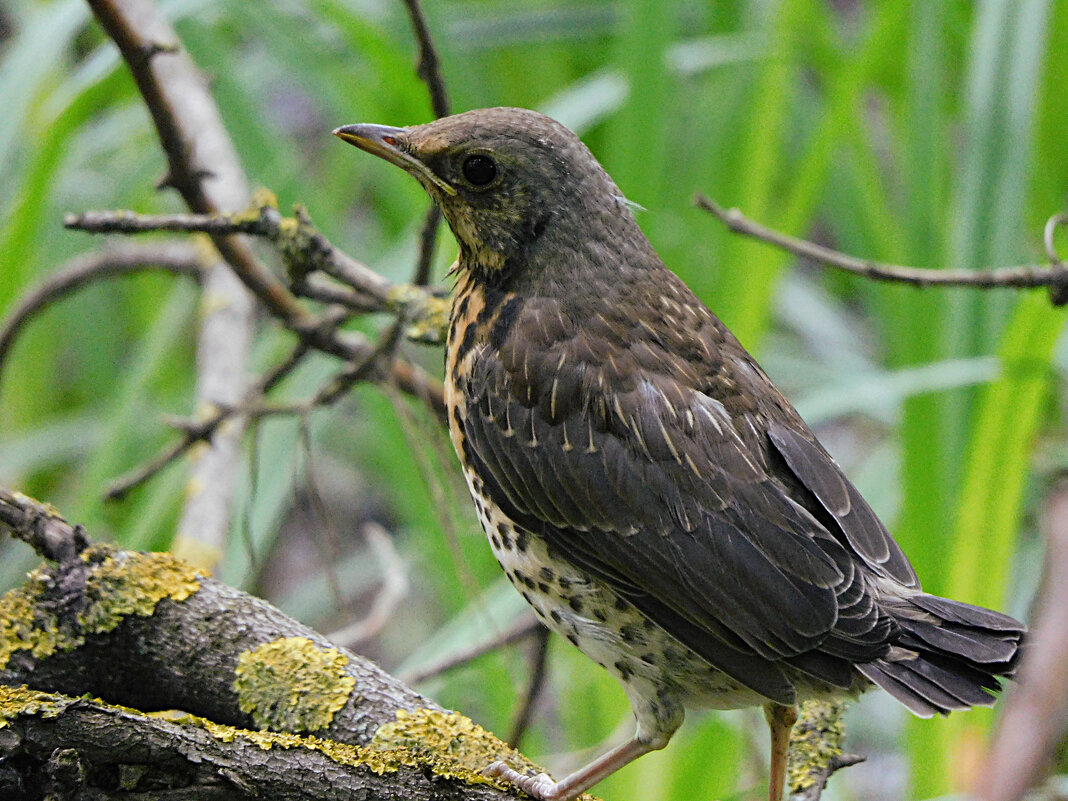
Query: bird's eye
(479, 170)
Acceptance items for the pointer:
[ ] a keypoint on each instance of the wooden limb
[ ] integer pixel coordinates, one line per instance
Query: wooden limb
(149, 631)
(1053, 276)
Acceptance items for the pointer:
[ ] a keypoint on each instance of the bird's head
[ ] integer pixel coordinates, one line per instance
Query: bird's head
(503, 177)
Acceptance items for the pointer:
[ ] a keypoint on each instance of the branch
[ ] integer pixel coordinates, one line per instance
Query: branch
(305, 250)
(118, 260)
(1033, 721)
(59, 747)
(428, 68)
(1055, 276)
(149, 631)
(203, 166)
(816, 750)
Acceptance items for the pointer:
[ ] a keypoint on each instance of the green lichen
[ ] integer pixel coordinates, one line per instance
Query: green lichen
(118, 584)
(291, 684)
(815, 741)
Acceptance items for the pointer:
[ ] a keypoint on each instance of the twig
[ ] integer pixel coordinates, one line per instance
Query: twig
(1055, 276)
(306, 250)
(178, 258)
(393, 590)
(524, 627)
(427, 238)
(194, 431)
(1033, 719)
(428, 68)
(303, 246)
(538, 672)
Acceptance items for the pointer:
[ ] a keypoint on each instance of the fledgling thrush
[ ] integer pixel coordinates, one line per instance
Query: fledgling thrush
(642, 482)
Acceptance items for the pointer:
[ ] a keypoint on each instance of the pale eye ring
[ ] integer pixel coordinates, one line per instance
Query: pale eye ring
(479, 169)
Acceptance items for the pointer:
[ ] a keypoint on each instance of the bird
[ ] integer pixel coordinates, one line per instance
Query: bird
(642, 482)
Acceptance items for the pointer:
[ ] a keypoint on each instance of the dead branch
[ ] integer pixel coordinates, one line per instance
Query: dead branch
(1054, 276)
(117, 260)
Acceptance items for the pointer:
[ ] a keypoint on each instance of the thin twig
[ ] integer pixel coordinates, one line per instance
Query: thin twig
(538, 672)
(427, 238)
(1020, 277)
(526, 626)
(306, 250)
(195, 431)
(428, 68)
(178, 258)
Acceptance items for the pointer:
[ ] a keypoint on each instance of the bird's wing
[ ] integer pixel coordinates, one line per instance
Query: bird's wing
(656, 488)
(853, 519)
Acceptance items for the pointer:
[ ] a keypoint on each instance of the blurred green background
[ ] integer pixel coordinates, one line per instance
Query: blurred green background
(928, 133)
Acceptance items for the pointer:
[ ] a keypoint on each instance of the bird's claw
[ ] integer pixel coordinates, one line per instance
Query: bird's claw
(541, 786)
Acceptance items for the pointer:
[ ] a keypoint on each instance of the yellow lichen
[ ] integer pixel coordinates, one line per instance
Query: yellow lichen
(447, 743)
(427, 314)
(15, 701)
(291, 684)
(118, 584)
(451, 744)
(132, 583)
(816, 739)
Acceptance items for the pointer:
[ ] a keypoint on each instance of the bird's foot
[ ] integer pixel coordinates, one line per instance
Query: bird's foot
(541, 786)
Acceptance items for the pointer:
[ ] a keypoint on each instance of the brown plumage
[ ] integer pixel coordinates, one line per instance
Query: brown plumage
(643, 483)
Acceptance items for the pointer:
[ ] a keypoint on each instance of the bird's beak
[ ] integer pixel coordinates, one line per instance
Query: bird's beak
(385, 142)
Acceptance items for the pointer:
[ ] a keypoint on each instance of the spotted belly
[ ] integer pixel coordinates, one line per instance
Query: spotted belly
(648, 661)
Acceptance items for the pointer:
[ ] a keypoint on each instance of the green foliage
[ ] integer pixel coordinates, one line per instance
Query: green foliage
(923, 133)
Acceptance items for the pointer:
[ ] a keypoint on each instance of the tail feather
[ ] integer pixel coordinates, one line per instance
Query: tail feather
(918, 704)
(967, 614)
(969, 644)
(949, 655)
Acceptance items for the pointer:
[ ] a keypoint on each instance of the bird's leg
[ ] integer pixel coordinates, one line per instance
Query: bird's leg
(781, 720)
(543, 787)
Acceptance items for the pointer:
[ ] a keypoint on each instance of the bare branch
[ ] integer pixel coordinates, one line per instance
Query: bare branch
(429, 68)
(117, 260)
(306, 250)
(40, 526)
(1054, 276)
(526, 626)
(194, 431)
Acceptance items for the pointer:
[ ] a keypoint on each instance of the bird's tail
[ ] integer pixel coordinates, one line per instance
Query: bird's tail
(949, 655)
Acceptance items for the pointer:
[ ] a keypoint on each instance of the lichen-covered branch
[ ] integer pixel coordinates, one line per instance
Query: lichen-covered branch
(148, 632)
(56, 746)
(816, 749)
